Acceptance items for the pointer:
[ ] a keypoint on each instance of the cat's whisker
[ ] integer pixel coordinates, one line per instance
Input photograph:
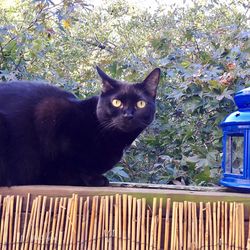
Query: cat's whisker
(107, 125)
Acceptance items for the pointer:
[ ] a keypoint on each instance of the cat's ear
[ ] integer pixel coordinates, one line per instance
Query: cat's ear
(151, 82)
(107, 82)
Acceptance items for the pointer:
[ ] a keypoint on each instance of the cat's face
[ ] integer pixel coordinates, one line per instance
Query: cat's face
(127, 107)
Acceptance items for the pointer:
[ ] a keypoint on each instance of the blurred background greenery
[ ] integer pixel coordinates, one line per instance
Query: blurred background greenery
(201, 46)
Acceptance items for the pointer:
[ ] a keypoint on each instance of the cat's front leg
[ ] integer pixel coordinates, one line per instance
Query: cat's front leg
(95, 180)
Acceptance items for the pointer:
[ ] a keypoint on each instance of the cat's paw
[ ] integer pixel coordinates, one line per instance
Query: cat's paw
(96, 181)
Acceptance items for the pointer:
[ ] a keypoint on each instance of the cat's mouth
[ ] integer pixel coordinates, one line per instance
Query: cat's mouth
(128, 126)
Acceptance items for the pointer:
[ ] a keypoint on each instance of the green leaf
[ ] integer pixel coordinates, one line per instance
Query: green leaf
(185, 64)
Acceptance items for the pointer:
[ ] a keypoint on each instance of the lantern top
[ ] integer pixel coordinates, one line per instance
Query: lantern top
(242, 98)
(242, 115)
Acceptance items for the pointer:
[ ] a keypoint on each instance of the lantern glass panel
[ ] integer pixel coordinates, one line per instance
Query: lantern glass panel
(235, 154)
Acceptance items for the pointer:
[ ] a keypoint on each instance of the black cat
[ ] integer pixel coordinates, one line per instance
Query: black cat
(48, 136)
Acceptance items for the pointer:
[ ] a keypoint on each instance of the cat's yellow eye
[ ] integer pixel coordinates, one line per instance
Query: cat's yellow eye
(117, 103)
(141, 104)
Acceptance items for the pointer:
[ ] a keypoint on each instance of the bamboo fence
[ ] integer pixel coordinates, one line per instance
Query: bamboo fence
(120, 222)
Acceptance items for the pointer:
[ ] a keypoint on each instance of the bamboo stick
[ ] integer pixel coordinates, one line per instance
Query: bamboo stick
(210, 226)
(147, 230)
(248, 238)
(133, 224)
(4, 218)
(159, 230)
(234, 225)
(237, 230)
(87, 223)
(11, 217)
(155, 231)
(37, 222)
(53, 224)
(44, 231)
(100, 221)
(103, 225)
(67, 225)
(19, 223)
(58, 223)
(83, 223)
(173, 228)
(129, 221)
(194, 225)
(68, 231)
(47, 240)
(3, 205)
(33, 225)
(167, 222)
(62, 223)
(2, 222)
(111, 222)
(44, 200)
(189, 226)
(83, 227)
(218, 224)
(226, 226)
(176, 228)
(6, 223)
(138, 224)
(92, 221)
(151, 241)
(67, 236)
(73, 223)
(116, 221)
(29, 226)
(201, 227)
(15, 223)
(13, 246)
(242, 225)
(95, 224)
(74, 226)
(120, 221)
(79, 220)
(143, 224)
(185, 223)
(223, 225)
(69, 241)
(215, 225)
(106, 223)
(124, 221)
(207, 228)
(239, 215)
(230, 226)
(181, 207)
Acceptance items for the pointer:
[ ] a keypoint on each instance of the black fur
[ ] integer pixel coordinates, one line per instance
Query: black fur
(48, 136)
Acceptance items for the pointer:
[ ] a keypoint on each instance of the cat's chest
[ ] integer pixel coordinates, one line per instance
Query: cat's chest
(103, 144)
(100, 152)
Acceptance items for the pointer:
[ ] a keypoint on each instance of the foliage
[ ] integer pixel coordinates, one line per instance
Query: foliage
(202, 49)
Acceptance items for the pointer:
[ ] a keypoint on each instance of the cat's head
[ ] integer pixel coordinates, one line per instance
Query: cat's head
(125, 106)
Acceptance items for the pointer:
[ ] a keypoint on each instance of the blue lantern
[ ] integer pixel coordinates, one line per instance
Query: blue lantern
(236, 144)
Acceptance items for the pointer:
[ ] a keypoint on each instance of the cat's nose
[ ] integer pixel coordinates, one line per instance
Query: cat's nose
(128, 115)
